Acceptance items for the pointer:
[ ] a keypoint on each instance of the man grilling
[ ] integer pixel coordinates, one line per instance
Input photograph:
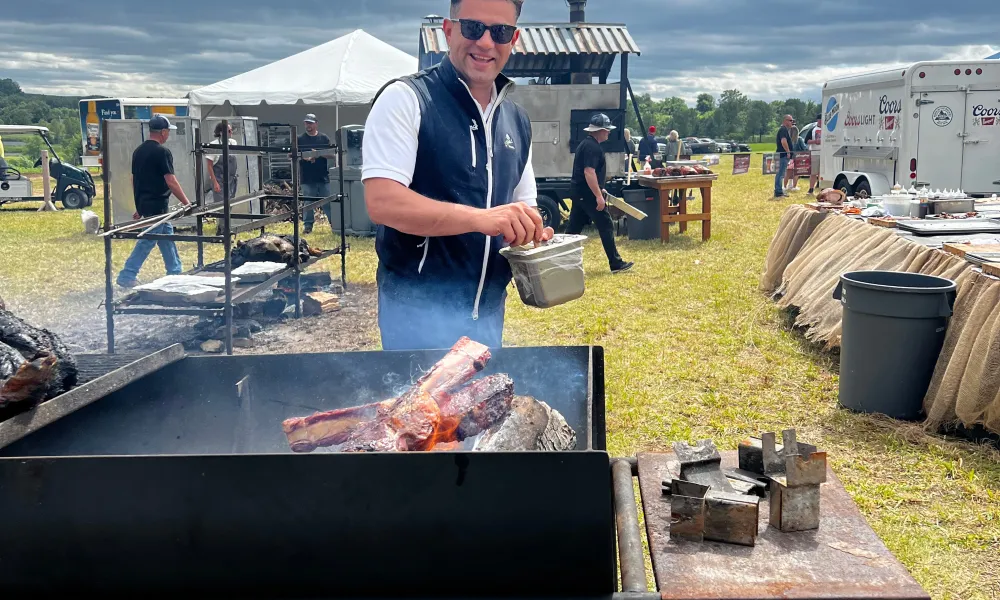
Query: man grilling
(589, 174)
(448, 180)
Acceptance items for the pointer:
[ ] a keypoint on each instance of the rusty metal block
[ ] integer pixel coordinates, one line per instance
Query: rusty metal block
(687, 518)
(794, 509)
(774, 461)
(702, 464)
(731, 518)
(805, 470)
(751, 454)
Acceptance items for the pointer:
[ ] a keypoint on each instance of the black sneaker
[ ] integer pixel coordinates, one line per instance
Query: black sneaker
(623, 267)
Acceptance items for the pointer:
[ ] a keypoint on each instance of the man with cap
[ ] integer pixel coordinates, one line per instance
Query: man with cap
(648, 146)
(314, 172)
(448, 180)
(153, 181)
(589, 174)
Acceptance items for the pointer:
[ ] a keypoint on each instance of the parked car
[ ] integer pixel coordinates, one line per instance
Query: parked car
(702, 145)
(723, 146)
(735, 146)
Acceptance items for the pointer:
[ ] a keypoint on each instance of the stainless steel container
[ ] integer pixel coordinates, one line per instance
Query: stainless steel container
(956, 205)
(551, 274)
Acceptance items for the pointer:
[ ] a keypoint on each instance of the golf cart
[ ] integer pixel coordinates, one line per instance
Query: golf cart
(73, 186)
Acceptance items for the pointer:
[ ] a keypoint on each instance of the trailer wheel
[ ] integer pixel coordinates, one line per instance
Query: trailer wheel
(842, 185)
(74, 199)
(862, 189)
(549, 210)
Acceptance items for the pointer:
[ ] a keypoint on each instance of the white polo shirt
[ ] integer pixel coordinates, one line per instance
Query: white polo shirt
(391, 136)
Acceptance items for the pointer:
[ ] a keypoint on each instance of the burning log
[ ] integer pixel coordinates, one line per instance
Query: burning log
(531, 425)
(410, 422)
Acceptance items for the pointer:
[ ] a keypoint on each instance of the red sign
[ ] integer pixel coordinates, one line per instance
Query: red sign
(890, 123)
(989, 121)
(741, 164)
(769, 164)
(803, 164)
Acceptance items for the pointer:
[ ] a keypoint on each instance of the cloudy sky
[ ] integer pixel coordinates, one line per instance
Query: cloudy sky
(768, 48)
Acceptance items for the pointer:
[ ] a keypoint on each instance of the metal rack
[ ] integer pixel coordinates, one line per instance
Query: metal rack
(233, 294)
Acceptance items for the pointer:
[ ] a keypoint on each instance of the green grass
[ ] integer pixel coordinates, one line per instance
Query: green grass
(693, 350)
(762, 147)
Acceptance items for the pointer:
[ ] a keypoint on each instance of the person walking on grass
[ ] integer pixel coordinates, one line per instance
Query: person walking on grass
(153, 181)
(589, 174)
(783, 141)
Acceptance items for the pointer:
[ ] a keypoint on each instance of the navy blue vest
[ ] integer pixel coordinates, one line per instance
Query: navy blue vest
(452, 157)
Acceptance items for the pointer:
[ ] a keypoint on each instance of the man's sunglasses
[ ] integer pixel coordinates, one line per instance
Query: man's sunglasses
(474, 30)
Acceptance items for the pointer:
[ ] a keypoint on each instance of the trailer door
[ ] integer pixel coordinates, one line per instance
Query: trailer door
(939, 141)
(981, 159)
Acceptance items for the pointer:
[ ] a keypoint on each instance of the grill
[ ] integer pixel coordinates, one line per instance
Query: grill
(169, 476)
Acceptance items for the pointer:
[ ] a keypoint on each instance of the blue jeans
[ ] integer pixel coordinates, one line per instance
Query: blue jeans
(316, 190)
(410, 327)
(142, 249)
(779, 177)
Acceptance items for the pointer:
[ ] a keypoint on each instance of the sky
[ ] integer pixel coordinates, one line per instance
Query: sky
(768, 49)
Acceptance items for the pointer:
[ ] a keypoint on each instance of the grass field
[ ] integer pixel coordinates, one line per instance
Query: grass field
(694, 350)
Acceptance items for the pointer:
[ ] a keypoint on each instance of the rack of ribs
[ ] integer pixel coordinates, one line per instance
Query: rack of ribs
(434, 410)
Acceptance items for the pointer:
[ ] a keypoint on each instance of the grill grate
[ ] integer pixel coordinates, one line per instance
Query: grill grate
(92, 366)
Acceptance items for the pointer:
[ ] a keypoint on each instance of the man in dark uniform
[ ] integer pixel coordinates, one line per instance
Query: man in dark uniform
(314, 179)
(589, 173)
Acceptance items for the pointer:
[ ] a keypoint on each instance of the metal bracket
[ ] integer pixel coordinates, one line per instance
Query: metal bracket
(795, 471)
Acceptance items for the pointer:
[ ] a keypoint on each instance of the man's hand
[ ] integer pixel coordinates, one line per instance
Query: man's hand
(136, 216)
(216, 187)
(600, 200)
(517, 222)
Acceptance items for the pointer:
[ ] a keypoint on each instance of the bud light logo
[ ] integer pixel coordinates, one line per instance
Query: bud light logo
(830, 116)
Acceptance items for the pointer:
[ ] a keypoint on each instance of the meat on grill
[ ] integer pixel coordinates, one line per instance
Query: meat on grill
(46, 370)
(272, 248)
(432, 411)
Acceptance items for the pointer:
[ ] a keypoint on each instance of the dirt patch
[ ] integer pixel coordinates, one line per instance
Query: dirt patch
(353, 327)
(79, 320)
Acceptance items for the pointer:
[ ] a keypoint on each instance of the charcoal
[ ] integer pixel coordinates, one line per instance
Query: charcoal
(34, 343)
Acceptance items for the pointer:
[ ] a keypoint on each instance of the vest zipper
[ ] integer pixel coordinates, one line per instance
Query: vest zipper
(489, 191)
(472, 139)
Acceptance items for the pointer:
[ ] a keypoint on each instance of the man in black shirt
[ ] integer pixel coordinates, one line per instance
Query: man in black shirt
(314, 179)
(153, 181)
(589, 172)
(783, 141)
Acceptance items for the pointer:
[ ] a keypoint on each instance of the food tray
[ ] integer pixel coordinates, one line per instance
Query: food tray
(955, 226)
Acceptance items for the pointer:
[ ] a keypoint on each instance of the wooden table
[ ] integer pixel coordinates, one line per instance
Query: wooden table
(679, 214)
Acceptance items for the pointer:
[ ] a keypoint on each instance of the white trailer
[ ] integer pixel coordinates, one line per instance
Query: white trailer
(932, 123)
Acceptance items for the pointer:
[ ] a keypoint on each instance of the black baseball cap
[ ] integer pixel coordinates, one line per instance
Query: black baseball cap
(159, 123)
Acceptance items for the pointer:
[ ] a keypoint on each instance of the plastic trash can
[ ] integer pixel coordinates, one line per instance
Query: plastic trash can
(894, 325)
(648, 202)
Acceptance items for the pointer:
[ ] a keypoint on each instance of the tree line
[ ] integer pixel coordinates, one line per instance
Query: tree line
(733, 116)
(61, 114)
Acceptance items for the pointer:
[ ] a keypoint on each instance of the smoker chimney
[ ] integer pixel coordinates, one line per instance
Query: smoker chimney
(577, 14)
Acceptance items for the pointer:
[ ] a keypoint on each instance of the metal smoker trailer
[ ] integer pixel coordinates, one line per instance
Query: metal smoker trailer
(169, 475)
(223, 211)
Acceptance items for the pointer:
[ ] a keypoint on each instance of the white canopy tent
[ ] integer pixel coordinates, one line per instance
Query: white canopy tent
(336, 81)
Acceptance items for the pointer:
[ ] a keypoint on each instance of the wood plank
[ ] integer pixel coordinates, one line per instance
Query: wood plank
(992, 269)
(687, 217)
(961, 249)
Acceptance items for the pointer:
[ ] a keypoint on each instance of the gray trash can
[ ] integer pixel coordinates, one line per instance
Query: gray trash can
(894, 325)
(648, 202)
